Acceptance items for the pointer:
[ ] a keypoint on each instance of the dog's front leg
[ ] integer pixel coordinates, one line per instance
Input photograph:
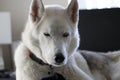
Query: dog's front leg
(78, 68)
(80, 74)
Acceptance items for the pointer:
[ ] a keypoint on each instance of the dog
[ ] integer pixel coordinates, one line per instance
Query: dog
(49, 47)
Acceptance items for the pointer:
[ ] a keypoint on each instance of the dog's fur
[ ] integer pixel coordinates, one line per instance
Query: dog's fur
(51, 30)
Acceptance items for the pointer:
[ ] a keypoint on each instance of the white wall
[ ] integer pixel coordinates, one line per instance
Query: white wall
(19, 10)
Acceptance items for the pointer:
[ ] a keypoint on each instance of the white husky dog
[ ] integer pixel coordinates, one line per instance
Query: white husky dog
(51, 38)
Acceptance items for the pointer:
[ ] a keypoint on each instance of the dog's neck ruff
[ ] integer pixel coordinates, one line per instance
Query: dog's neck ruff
(39, 61)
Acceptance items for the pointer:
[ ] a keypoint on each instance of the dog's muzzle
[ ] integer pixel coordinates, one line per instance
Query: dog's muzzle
(59, 58)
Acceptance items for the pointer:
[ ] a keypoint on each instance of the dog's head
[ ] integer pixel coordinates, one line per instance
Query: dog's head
(52, 32)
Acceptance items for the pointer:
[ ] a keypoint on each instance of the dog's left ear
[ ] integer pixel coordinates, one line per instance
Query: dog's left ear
(36, 10)
(73, 11)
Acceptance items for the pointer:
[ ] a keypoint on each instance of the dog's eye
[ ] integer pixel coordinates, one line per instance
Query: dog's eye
(65, 34)
(47, 34)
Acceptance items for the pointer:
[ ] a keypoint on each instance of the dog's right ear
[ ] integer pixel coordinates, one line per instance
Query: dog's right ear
(73, 11)
(36, 10)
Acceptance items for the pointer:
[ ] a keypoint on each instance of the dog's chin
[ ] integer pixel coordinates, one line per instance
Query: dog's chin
(58, 65)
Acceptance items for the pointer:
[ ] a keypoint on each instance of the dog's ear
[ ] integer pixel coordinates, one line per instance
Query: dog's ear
(73, 11)
(36, 10)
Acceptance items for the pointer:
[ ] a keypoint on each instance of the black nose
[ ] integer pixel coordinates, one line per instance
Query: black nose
(59, 58)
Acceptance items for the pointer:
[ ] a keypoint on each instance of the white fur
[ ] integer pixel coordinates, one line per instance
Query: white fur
(56, 21)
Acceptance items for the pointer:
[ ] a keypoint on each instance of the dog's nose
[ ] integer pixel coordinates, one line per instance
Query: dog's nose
(59, 58)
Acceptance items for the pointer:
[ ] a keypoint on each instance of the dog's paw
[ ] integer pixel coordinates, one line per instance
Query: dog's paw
(54, 76)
